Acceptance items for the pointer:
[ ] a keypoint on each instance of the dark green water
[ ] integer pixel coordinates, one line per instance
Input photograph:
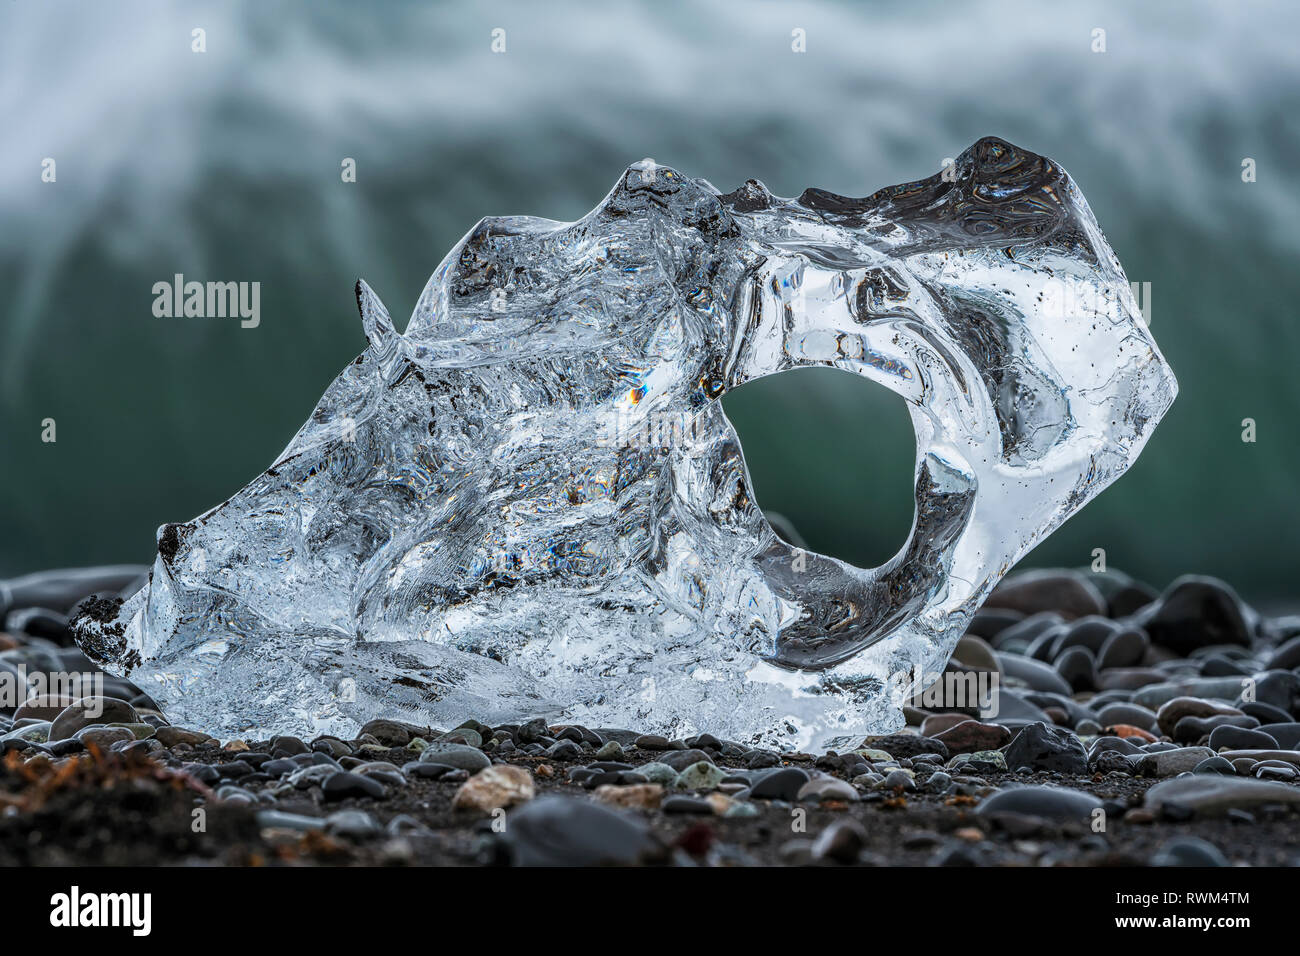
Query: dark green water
(225, 166)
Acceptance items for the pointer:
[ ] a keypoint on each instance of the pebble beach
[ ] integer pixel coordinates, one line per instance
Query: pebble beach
(1132, 728)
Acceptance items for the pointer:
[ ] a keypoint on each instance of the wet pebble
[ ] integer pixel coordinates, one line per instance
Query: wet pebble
(841, 842)
(1050, 803)
(823, 789)
(610, 750)
(341, 784)
(972, 735)
(1212, 794)
(1240, 738)
(701, 775)
(89, 711)
(1040, 747)
(1189, 851)
(906, 745)
(495, 788)
(460, 756)
(783, 784)
(564, 831)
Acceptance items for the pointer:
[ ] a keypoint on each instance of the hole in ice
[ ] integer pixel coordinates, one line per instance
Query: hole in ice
(832, 453)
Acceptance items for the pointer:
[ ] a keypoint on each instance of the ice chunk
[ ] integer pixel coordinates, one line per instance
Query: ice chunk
(531, 502)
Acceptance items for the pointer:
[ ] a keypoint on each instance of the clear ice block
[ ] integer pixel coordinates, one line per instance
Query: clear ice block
(530, 501)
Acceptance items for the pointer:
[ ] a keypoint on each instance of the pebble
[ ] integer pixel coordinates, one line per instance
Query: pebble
(1239, 738)
(1089, 633)
(1268, 716)
(660, 773)
(1281, 689)
(1175, 709)
(1191, 730)
(280, 820)
(1195, 612)
(642, 796)
(356, 824)
(43, 708)
(531, 731)
(341, 784)
(1015, 711)
(568, 831)
(1211, 794)
(171, 736)
(1124, 595)
(105, 737)
(679, 760)
(1287, 734)
(905, 745)
(682, 803)
(460, 756)
(1286, 657)
(1040, 747)
(1129, 732)
(700, 775)
(1125, 648)
(1189, 851)
(938, 782)
(991, 622)
(1155, 694)
(972, 735)
(331, 745)
(89, 711)
(1286, 756)
(37, 732)
(1077, 668)
(1033, 674)
(1129, 678)
(981, 761)
(1167, 763)
(406, 825)
(824, 789)
(935, 724)
(896, 780)
(63, 748)
(1215, 764)
(841, 842)
(875, 756)
(495, 788)
(1061, 592)
(1050, 803)
(393, 733)
(232, 769)
(610, 750)
(783, 784)
(921, 840)
(563, 750)
(1127, 714)
(974, 652)
(1272, 771)
(379, 770)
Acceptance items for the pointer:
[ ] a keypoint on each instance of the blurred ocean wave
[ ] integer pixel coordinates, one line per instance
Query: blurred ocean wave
(225, 166)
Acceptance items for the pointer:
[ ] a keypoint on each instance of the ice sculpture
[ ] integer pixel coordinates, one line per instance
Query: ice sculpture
(530, 502)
